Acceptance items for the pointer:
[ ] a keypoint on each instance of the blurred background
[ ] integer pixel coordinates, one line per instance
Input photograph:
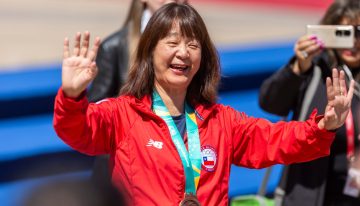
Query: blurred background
(254, 38)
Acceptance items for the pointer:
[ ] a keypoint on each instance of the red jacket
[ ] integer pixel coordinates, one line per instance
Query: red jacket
(145, 160)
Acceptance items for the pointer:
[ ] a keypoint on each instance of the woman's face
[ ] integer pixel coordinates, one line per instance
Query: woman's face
(176, 59)
(351, 57)
(154, 5)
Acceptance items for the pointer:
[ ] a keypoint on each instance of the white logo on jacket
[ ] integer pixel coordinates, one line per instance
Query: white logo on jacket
(156, 144)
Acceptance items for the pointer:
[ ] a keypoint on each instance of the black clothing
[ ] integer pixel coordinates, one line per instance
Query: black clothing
(319, 182)
(112, 61)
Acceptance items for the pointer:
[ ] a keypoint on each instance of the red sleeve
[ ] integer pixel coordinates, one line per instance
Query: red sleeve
(258, 143)
(86, 128)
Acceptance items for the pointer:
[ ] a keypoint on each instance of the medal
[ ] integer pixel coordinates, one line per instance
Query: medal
(190, 200)
(191, 160)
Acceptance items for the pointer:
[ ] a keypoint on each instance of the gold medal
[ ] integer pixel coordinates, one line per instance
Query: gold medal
(190, 200)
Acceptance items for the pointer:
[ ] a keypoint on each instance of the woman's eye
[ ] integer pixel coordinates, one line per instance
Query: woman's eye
(194, 46)
(172, 43)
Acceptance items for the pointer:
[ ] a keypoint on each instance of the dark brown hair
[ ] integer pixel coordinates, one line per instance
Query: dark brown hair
(334, 15)
(204, 85)
(341, 9)
(133, 22)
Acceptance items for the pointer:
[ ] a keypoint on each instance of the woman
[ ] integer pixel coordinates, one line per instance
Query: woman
(113, 61)
(299, 87)
(168, 106)
(114, 53)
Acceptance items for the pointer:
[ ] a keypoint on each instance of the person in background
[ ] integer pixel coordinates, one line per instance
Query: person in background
(298, 88)
(169, 142)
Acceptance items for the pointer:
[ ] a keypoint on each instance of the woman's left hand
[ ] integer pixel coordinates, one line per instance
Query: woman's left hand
(339, 101)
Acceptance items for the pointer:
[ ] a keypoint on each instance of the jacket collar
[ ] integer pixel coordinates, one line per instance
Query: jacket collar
(143, 105)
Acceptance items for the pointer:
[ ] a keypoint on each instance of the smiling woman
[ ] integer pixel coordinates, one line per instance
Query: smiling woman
(182, 42)
(181, 55)
(169, 142)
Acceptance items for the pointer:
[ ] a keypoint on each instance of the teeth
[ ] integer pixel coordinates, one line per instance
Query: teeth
(179, 67)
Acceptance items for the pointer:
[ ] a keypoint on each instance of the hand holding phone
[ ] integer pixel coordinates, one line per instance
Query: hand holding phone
(333, 36)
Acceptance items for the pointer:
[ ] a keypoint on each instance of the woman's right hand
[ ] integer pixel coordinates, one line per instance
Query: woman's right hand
(78, 68)
(306, 48)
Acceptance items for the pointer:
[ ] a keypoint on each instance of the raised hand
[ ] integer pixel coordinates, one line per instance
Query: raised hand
(306, 48)
(79, 67)
(339, 101)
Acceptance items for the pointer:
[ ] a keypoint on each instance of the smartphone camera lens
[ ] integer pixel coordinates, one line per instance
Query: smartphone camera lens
(347, 33)
(338, 33)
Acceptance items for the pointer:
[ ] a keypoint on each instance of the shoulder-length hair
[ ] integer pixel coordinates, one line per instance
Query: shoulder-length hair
(203, 87)
(334, 15)
(341, 9)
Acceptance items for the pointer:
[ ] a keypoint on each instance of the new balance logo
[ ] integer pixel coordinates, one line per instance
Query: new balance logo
(155, 144)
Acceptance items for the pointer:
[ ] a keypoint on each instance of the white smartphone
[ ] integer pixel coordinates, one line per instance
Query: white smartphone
(333, 36)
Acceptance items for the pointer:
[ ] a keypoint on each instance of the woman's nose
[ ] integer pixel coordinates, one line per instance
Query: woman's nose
(182, 52)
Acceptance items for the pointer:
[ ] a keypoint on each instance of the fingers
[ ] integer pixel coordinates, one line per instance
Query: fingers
(339, 99)
(351, 91)
(305, 42)
(85, 44)
(330, 114)
(94, 50)
(82, 51)
(308, 45)
(342, 84)
(330, 91)
(76, 50)
(335, 79)
(66, 52)
(336, 86)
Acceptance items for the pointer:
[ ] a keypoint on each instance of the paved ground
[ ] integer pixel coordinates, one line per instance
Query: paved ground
(32, 31)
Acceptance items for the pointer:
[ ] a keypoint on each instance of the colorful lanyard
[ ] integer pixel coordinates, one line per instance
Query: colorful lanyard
(191, 160)
(350, 134)
(349, 124)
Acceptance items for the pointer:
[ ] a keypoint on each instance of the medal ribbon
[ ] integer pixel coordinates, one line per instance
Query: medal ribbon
(191, 160)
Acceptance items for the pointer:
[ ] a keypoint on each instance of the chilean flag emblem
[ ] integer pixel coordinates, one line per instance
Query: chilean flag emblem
(209, 161)
(209, 157)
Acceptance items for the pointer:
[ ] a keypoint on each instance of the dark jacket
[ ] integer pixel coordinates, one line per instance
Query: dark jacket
(319, 182)
(112, 61)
